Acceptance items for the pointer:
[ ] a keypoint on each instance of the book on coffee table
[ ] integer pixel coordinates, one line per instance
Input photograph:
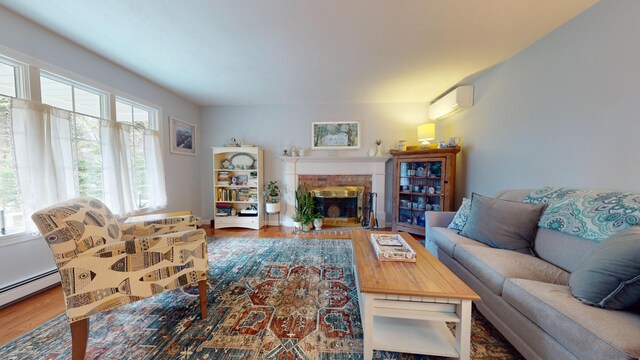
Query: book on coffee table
(392, 247)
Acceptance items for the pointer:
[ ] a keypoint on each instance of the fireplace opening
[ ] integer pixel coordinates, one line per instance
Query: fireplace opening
(340, 205)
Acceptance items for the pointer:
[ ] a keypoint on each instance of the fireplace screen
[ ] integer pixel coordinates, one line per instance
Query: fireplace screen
(340, 205)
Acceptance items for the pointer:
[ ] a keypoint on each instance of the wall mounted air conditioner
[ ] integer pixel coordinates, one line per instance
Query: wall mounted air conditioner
(457, 99)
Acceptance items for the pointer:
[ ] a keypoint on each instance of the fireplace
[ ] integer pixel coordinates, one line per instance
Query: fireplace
(330, 171)
(340, 205)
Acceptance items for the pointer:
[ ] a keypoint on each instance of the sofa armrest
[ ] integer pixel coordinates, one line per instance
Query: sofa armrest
(151, 217)
(438, 218)
(161, 226)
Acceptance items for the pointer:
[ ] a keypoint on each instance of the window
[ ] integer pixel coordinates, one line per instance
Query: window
(87, 149)
(140, 118)
(12, 218)
(87, 107)
(7, 79)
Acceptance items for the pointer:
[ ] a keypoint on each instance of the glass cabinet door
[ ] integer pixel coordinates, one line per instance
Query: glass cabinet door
(420, 189)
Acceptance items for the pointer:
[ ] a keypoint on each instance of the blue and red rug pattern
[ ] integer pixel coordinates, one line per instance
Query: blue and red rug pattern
(268, 299)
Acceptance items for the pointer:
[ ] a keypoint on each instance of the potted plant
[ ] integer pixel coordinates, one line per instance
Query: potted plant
(272, 197)
(296, 223)
(305, 207)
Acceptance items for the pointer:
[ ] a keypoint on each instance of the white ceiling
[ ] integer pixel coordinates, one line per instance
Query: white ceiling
(226, 52)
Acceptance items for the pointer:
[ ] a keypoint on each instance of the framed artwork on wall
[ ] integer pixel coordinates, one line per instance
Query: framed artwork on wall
(183, 137)
(335, 135)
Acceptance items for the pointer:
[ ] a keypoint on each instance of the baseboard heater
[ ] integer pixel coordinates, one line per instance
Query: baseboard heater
(14, 292)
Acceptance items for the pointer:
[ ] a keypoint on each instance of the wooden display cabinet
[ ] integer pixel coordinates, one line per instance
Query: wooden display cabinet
(422, 180)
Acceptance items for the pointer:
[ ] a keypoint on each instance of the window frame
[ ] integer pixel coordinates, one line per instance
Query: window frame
(22, 84)
(21, 76)
(153, 126)
(104, 96)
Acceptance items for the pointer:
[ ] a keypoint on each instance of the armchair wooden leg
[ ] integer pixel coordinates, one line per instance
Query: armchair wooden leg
(79, 336)
(202, 285)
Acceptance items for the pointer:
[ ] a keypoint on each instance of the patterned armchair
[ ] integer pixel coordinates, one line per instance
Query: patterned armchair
(103, 266)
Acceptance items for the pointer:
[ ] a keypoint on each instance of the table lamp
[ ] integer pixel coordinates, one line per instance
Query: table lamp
(426, 132)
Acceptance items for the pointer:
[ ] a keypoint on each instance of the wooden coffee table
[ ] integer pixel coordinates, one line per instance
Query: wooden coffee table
(405, 306)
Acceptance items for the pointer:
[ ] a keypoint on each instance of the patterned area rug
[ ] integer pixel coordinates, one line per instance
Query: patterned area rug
(268, 299)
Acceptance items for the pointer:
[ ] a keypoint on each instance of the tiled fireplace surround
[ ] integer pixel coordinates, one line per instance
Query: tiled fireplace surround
(334, 171)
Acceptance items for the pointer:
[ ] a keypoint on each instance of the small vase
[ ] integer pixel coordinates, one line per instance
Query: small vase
(317, 223)
(379, 150)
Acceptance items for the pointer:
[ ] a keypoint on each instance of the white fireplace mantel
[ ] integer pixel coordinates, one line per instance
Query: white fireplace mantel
(305, 159)
(338, 165)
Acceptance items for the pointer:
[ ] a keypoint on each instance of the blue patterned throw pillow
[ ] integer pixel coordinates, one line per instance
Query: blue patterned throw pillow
(461, 216)
(589, 214)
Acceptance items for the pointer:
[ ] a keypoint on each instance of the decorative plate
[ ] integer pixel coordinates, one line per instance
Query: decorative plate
(242, 159)
(225, 164)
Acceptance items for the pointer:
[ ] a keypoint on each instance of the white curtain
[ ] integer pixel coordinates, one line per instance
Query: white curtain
(44, 151)
(119, 192)
(44, 155)
(155, 170)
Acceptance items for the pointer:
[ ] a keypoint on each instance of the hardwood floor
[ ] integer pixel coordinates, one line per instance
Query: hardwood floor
(29, 313)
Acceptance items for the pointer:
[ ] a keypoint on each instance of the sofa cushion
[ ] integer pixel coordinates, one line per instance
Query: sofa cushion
(494, 266)
(589, 332)
(502, 224)
(448, 239)
(610, 276)
(562, 250)
(461, 215)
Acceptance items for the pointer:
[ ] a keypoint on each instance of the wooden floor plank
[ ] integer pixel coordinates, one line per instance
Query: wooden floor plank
(29, 313)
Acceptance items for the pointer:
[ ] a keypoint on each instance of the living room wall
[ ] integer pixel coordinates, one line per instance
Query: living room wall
(24, 260)
(563, 112)
(271, 127)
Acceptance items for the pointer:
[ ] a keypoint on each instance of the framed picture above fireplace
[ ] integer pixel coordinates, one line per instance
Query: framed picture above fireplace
(334, 135)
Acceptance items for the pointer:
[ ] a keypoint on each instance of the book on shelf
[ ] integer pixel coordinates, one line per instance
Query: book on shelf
(241, 194)
(223, 209)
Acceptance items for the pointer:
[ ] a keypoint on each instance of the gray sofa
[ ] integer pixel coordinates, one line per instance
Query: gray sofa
(527, 298)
